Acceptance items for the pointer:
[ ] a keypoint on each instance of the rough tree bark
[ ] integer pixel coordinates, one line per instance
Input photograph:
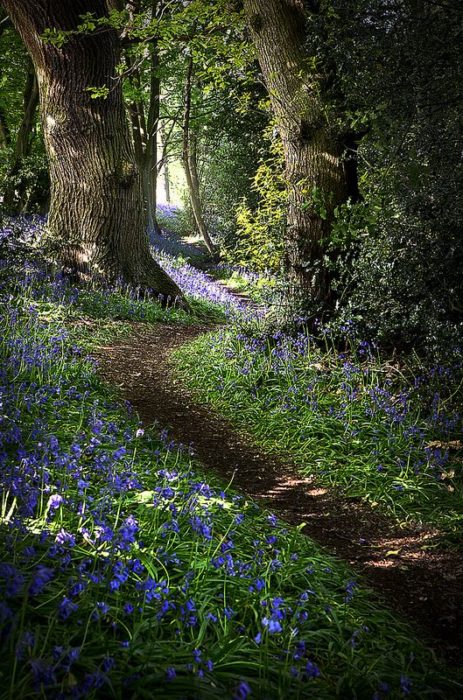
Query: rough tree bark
(96, 217)
(313, 155)
(190, 163)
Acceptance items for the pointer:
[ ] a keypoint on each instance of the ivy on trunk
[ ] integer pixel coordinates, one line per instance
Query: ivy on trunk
(315, 173)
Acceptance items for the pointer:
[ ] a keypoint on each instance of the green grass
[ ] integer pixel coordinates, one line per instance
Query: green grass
(259, 289)
(125, 574)
(355, 424)
(120, 305)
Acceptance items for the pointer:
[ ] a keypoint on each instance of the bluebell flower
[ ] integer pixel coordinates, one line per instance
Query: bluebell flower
(405, 685)
(55, 501)
(66, 608)
(273, 626)
(242, 691)
(312, 670)
(41, 576)
(171, 673)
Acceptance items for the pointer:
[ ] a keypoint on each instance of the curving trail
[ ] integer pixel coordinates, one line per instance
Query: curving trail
(405, 566)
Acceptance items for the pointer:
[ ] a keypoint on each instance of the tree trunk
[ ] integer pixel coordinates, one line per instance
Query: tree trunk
(151, 152)
(96, 214)
(167, 182)
(313, 155)
(163, 164)
(144, 127)
(190, 166)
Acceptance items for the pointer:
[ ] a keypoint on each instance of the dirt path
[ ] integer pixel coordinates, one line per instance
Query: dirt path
(414, 576)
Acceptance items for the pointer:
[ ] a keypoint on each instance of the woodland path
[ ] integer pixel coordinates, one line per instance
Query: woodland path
(405, 566)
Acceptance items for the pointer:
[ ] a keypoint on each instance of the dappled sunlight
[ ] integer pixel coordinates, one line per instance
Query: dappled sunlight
(231, 350)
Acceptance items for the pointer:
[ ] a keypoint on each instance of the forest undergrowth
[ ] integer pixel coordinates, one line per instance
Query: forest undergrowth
(381, 430)
(125, 569)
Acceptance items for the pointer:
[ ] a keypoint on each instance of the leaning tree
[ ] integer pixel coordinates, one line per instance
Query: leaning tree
(96, 219)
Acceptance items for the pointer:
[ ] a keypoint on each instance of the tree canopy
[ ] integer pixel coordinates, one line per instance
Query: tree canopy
(318, 140)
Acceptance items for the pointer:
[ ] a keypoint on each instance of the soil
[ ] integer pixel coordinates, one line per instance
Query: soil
(406, 566)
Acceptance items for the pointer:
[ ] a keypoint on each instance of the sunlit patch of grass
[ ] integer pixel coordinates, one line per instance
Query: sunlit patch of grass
(259, 288)
(349, 419)
(121, 305)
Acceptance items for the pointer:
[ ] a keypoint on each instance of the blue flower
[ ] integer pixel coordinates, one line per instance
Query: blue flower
(66, 608)
(242, 691)
(41, 576)
(273, 626)
(312, 670)
(405, 685)
(55, 501)
(171, 673)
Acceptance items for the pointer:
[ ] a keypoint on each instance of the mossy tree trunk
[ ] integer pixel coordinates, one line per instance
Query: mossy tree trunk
(96, 219)
(313, 155)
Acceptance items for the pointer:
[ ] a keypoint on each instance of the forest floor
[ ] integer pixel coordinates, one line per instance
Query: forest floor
(406, 566)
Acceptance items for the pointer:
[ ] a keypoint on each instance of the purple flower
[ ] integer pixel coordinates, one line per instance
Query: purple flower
(42, 575)
(66, 538)
(66, 608)
(13, 579)
(242, 691)
(119, 453)
(127, 532)
(42, 672)
(405, 685)
(312, 670)
(55, 501)
(273, 626)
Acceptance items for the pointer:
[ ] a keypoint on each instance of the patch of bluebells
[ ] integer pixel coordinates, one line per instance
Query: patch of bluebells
(200, 285)
(291, 390)
(169, 244)
(116, 557)
(90, 481)
(117, 300)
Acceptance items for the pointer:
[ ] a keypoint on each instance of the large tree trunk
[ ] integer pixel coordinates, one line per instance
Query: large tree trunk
(313, 155)
(190, 164)
(96, 214)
